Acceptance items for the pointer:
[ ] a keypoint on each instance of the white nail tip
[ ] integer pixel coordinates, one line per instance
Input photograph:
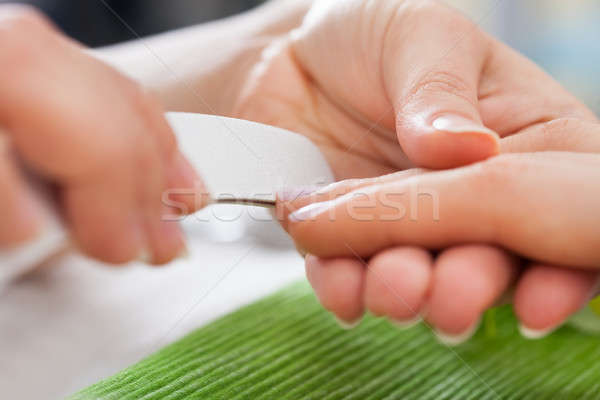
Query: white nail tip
(459, 125)
(184, 254)
(455, 340)
(309, 212)
(529, 333)
(346, 324)
(144, 257)
(406, 324)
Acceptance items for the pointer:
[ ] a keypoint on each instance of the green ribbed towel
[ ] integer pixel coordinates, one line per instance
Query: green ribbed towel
(286, 347)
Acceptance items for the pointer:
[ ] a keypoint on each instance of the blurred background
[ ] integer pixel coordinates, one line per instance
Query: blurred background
(561, 36)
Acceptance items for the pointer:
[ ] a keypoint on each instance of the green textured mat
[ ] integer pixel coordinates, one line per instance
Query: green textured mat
(286, 347)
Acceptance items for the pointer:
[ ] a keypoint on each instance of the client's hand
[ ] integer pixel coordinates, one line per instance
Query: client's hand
(358, 77)
(541, 206)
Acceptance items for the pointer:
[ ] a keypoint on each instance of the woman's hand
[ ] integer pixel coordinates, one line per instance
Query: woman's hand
(371, 234)
(360, 77)
(95, 135)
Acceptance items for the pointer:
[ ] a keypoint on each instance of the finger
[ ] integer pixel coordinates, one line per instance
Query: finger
(20, 213)
(396, 284)
(338, 283)
(547, 295)
(466, 281)
(185, 190)
(484, 203)
(290, 200)
(432, 77)
(108, 148)
(564, 134)
(514, 86)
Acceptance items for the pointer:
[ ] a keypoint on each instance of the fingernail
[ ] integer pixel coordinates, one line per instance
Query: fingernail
(184, 254)
(458, 124)
(303, 253)
(347, 325)
(182, 172)
(310, 211)
(291, 194)
(530, 333)
(456, 339)
(405, 323)
(145, 256)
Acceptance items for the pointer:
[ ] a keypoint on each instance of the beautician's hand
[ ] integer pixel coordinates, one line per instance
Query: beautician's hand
(92, 133)
(358, 77)
(542, 206)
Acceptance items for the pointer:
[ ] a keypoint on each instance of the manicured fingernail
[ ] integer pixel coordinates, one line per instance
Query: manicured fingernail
(456, 339)
(309, 212)
(347, 325)
(530, 333)
(458, 124)
(184, 254)
(145, 256)
(303, 253)
(406, 323)
(291, 194)
(182, 171)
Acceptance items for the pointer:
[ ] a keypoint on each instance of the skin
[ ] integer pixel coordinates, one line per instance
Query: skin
(379, 116)
(109, 172)
(90, 125)
(549, 190)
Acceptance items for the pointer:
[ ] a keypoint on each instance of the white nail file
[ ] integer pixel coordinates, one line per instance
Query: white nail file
(236, 159)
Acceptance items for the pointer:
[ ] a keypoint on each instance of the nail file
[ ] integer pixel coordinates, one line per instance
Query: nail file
(240, 162)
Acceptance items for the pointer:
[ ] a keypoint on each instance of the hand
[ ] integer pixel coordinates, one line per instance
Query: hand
(541, 206)
(92, 133)
(359, 77)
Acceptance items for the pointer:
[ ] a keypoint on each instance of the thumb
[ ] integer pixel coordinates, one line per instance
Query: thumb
(432, 77)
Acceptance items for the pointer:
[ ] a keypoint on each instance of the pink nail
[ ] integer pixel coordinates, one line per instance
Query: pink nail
(310, 212)
(347, 325)
(458, 124)
(291, 194)
(451, 339)
(530, 333)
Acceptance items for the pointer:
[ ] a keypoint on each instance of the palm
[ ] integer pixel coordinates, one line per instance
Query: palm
(282, 94)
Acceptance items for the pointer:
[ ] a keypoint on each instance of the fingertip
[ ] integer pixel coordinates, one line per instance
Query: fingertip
(443, 149)
(348, 325)
(185, 191)
(547, 295)
(338, 284)
(529, 333)
(396, 284)
(165, 241)
(455, 339)
(466, 281)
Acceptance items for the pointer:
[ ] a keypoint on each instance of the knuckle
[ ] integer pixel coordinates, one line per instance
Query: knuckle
(146, 106)
(500, 172)
(21, 22)
(560, 132)
(435, 82)
(20, 16)
(440, 81)
(433, 10)
(561, 126)
(22, 29)
(136, 95)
